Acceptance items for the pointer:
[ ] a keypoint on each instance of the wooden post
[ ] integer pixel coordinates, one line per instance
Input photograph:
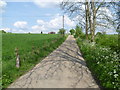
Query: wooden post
(17, 58)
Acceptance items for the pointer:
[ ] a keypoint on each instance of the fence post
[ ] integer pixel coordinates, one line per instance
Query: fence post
(17, 58)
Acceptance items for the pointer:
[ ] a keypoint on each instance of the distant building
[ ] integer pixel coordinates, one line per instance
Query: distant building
(51, 33)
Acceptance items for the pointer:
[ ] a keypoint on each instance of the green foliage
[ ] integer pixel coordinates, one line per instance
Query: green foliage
(108, 41)
(104, 33)
(118, 30)
(62, 31)
(78, 32)
(102, 60)
(32, 49)
(2, 31)
(72, 31)
(98, 33)
(0, 61)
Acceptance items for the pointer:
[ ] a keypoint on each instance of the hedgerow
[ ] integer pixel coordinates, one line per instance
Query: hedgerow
(103, 60)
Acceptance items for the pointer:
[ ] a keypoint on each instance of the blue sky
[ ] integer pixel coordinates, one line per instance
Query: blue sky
(24, 17)
(28, 11)
(35, 16)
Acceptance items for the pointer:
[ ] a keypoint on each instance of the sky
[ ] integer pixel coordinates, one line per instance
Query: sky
(34, 16)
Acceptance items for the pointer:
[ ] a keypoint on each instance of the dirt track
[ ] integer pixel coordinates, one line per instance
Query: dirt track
(63, 68)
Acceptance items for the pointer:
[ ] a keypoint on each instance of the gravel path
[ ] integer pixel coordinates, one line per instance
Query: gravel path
(63, 68)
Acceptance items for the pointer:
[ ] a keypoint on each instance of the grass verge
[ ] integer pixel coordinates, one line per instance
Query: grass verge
(32, 49)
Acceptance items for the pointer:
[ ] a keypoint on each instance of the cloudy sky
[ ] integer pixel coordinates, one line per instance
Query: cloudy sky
(32, 16)
(23, 16)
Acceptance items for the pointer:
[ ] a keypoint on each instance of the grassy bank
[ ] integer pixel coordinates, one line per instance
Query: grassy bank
(32, 48)
(0, 60)
(103, 59)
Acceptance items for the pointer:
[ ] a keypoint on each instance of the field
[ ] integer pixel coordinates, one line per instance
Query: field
(0, 60)
(31, 47)
(102, 59)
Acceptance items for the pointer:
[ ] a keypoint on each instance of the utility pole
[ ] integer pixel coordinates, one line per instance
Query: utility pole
(63, 21)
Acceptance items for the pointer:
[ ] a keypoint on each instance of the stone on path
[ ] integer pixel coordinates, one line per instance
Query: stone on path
(63, 68)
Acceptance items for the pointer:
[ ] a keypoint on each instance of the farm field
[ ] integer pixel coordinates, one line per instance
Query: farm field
(32, 52)
(102, 59)
(0, 60)
(31, 47)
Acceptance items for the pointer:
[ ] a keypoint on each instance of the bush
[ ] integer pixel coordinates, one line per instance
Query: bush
(62, 32)
(72, 31)
(108, 41)
(2, 31)
(103, 62)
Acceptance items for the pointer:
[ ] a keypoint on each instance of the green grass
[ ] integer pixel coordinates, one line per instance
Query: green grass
(0, 60)
(103, 59)
(108, 41)
(32, 49)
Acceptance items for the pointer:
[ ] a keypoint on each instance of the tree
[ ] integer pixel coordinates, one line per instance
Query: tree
(2, 31)
(118, 17)
(78, 31)
(62, 31)
(89, 14)
(72, 31)
(98, 33)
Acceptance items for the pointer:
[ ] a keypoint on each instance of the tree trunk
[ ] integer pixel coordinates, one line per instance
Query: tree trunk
(94, 21)
(90, 21)
(86, 9)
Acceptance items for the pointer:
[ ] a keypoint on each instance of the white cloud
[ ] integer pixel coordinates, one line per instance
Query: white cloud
(37, 27)
(40, 22)
(6, 29)
(14, 30)
(69, 23)
(46, 3)
(53, 25)
(3, 4)
(45, 26)
(19, 31)
(21, 24)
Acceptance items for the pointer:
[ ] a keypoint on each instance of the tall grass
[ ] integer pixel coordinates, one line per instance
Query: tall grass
(32, 49)
(0, 60)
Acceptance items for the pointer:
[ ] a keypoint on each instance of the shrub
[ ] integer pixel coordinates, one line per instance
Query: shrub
(62, 31)
(72, 31)
(103, 62)
(108, 41)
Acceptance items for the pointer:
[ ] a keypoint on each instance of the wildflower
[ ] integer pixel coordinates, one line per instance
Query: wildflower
(106, 57)
(114, 52)
(113, 82)
(110, 73)
(115, 75)
(111, 61)
(98, 62)
(114, 71)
